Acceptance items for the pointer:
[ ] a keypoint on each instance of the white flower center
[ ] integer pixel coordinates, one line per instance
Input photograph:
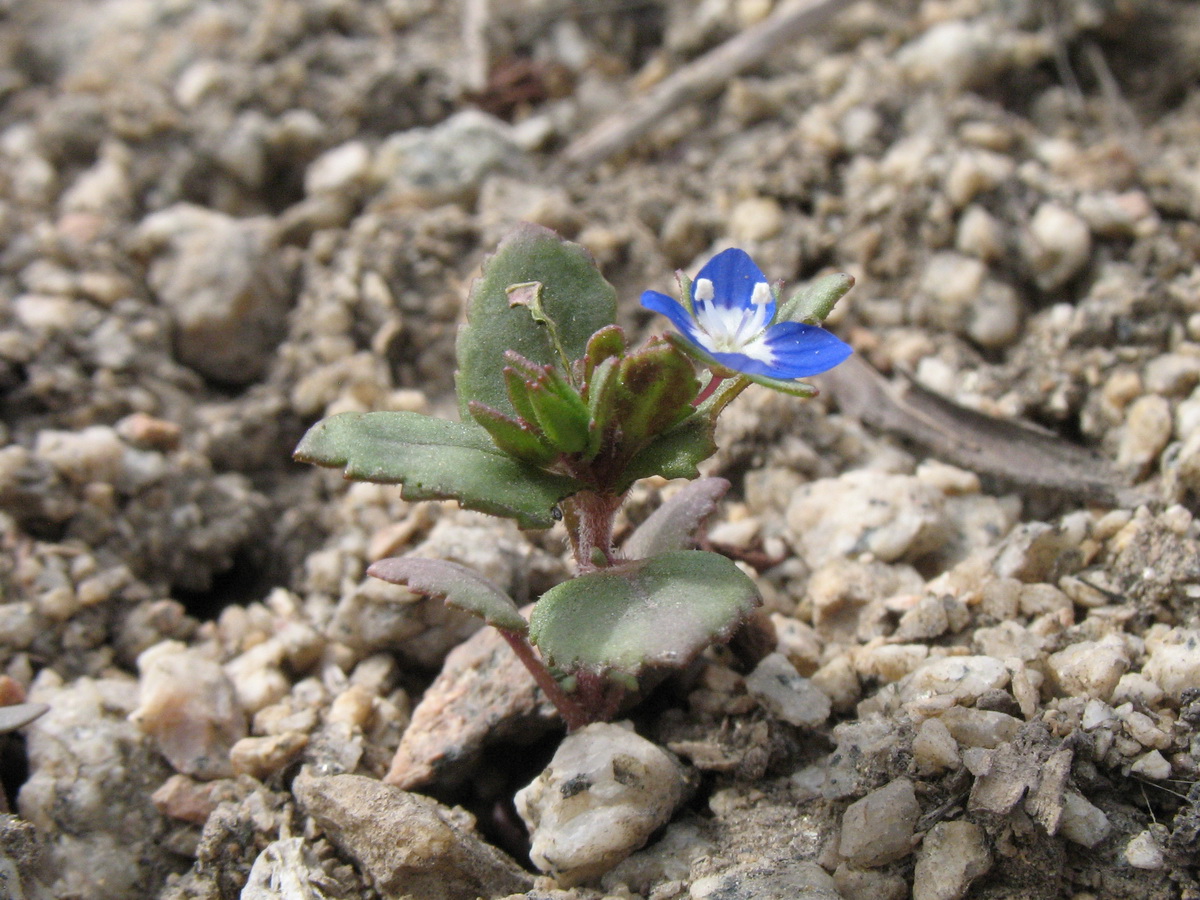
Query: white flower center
(733, 329)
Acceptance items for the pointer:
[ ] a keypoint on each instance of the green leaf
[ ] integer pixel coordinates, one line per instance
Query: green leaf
(604, 344)
(436, 459)
(560, 411)
(573, 294)
(660, 611)
(602, 390)
(674, 455)
(815, 301)
(517, 386)
(673, 525)
(564, 421)
(516, 438)
(655, 390)
(461, 587)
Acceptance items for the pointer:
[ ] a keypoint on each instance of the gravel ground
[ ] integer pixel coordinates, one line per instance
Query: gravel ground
(221, 220)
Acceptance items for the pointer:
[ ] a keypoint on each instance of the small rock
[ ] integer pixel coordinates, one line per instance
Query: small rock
(287, 870)
(980, 727)
(957, 53)
(87, 792)
(777, 879)
(889, 662)
(1174, 661)
(951, 282)
(261, 757)
(354, 707)
(1037, 552)
(93, 454)
(1146, 432)
(838, 681)
(1090, 668)
(863, 747)
(994, 316)
(892, 517)
(979, 234)
(840, 589)
(1143, 852)
(952, 856)
(448, 162)
(1153, 765)
(1134, 687)
(189, 706)
(1173, 374)
(963, 678)
(755, 219)
(869, 884)
(483, 694)
(405, 844)
(1059, 245)
(1095, 714)
(878, 829)
(343, 169)
(257, 676)
(799, 642)
(670, 858)
(934, 748)
(604, 793)
(1082, 823)
(186, 799)
(222, 282)
(786, 693)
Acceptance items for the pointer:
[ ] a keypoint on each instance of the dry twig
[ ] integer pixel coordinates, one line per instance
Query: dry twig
(700, 78)
(1013, 453)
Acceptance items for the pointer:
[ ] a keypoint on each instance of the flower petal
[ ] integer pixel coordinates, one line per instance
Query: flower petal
(800, 350)
(673, 310)
(734, 275)
(740, 362)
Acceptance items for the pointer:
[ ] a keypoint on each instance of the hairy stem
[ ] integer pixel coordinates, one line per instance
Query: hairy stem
(589, 517)
(572, 712)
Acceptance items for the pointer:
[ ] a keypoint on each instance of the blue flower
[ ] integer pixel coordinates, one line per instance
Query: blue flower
(729, 318)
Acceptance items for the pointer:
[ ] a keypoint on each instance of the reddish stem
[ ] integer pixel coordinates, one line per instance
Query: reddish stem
(589, 517)
(707, 390)
(573, 714)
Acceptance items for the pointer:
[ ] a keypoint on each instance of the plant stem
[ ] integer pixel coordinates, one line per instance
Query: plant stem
(571, 711)
(589, 517)
(713, 405)
(708, 389)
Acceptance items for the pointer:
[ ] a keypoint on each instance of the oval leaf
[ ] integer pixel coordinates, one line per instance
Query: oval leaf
(461, 587)
(435, 459)
(573, 295)
(673, 525)
(653, 612)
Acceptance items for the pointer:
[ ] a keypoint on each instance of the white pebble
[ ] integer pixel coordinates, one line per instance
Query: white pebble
(1143, 852)
(1082, 823)
(786, 694)
(604, 793)
(1059, 245)
(1153, 765)
(1090, 668)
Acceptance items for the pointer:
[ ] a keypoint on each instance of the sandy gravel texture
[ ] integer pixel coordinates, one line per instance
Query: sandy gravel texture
(221, 220)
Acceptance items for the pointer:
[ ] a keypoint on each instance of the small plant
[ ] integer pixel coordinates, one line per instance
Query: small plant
(559, 418)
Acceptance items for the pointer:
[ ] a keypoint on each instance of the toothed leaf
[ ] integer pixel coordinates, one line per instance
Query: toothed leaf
(461, 587)
(435, 459)
(573, 294)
